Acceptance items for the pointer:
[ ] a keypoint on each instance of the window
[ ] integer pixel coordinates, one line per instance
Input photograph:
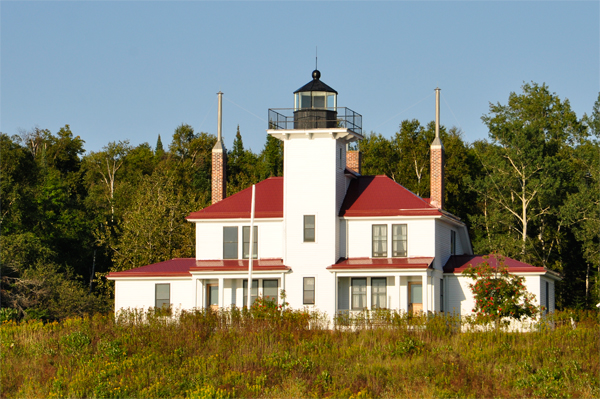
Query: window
(378, 293)
(319, 101)
(379, 240)
(162, 296)
(270, 292)
(246, 241)
(340, 165)
(253, 292)
(309, 291)
(399, 240)
(441, 295)
(230, 242)
(309, 228)
(359, 293)
(452, 242)
(305, 100)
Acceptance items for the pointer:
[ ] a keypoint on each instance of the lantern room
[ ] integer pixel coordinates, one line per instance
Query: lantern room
(315, 105)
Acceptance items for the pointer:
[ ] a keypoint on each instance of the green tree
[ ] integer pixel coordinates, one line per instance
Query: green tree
(526, 167)
(581, 209)
(159, 151)
(242, 167)
(271, 158)
(190, 158)
(102, 169)
(154, 229)
(411, 145)
(378, 156)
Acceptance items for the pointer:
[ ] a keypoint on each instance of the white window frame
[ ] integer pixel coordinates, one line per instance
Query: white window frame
(385, 254)
(314, 291)
(314, 229)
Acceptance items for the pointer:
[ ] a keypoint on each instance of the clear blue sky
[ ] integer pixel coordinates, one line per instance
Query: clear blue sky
(134, 70)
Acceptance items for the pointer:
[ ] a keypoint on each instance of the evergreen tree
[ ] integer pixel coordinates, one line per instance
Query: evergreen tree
(159, 150)
(272, 158)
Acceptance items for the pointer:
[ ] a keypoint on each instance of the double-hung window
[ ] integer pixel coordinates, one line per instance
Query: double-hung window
(309, 228)
(378, 293)
(162, 296)
(246, 241)
(270, 290)
(379, 240)
(399, 240)
(230, 242)
(309, 291)
(253, 292)
(359, 293)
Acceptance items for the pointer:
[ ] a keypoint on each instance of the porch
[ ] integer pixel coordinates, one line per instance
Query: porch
(402, 284)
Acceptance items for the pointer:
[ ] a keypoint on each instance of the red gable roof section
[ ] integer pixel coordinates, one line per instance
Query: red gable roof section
(269, 203)
(458, 263)
(382, 263)
(381, 196)
(179, 267)
(366, 196)
(182, 267)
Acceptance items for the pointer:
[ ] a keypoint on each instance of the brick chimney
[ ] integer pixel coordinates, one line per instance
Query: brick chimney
(219, 161)
(436, 179)
(353, 161)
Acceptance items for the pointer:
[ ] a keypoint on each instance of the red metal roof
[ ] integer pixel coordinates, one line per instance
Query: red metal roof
(382, 263)
(269, 203)
(381, 196)
(182, 267)
(458, 263)
(366, 196)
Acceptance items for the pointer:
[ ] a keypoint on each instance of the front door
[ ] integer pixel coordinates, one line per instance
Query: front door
(415, 297)
(212, 296)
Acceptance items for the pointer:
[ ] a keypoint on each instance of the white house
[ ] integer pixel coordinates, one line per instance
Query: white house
(333, 239)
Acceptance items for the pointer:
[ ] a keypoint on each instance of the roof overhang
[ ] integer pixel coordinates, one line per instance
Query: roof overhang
(185, 268)
(416, 264)
(347, 135)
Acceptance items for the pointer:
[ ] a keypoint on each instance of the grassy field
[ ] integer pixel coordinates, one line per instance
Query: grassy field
(295, 354)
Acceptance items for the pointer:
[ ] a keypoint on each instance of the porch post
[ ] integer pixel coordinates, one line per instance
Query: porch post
(201, 292)
(335, 305)
(221, 292)
(425, 293)
(397, 285)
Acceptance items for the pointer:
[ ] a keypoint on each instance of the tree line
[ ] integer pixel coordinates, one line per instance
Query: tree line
(531, 191)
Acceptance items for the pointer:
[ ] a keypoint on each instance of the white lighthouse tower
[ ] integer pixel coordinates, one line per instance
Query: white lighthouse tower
(315, 134)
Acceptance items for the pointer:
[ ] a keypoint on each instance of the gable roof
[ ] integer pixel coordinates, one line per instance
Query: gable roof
(366, 196)
(269, 203)
(381, 196)
(458, 263)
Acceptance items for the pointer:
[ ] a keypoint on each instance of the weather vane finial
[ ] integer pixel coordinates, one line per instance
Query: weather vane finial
(316, 57)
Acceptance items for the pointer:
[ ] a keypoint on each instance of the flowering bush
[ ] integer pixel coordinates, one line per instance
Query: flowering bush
(499, 294)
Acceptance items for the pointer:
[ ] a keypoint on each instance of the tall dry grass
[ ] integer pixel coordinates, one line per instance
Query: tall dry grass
(270, 353)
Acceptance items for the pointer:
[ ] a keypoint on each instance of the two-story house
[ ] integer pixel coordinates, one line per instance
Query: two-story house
(333, 239)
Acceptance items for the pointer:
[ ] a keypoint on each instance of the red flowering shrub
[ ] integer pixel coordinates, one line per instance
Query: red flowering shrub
(499, 294)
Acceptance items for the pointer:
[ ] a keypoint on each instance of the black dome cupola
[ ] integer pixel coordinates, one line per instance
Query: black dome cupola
(315, 105)
(315, 95)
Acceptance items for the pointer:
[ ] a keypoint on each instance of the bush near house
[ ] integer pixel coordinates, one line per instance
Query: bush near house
(498, 294)
(271, 352)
